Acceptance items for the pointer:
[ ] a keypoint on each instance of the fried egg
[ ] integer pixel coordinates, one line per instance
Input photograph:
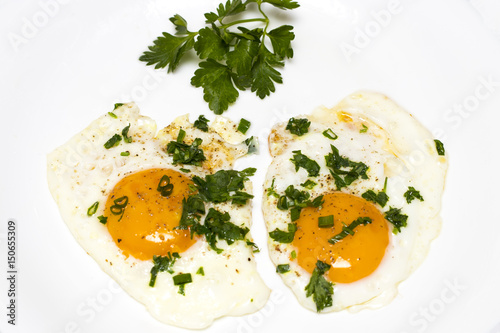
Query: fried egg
(123, 190)
(351, 201)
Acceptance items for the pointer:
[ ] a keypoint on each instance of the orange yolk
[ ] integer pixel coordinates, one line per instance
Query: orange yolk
(355, 256)
(146, 227)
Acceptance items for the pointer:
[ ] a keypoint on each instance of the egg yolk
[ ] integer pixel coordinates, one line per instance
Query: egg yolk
(353, 257)
(141, 219)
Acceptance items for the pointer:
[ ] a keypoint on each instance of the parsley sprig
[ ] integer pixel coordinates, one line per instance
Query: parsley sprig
(320, 289)
(232, 59)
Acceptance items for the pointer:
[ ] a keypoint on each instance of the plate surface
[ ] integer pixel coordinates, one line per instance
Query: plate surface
(64, 63)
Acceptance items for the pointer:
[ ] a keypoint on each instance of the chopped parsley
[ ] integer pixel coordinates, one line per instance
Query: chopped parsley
(293, 254)
(113, 141)
(364, 129)
(125, 153)
(252, 144)
(412, 194)
(283, 268)
(224, 185)
(299, 126)
(103, 219)
(231, 59)
(243, 126)
(200, 271)
(325, 221)
(343, 170)
(201, 123)
(165, 187)
(320, 289)
(117, 105)
(285, 237)
(381, 197)
(439, 147)
(302, 161)
(162, 264)
(126, 138)
(272, 191)
(330, 134)
(93, 209)
(349, 230)
(309, 184)
(185, 170)
(399, 220)
(112, 115)
(192, 209)
(186, 154)
(295, 200)
(181, 280)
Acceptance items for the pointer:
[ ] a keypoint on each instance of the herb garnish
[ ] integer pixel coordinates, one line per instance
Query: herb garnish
(439, 147)
(299, 126)
(325, 221)
(113, 141)
(364, 129)
(412, 194)
(302, 161)
(201, 123)
(285, 237)
(399, 220)
(201, 271)
(165, 187)
(295, 200)
(381, 197)
(232, 59)
(252, 144)
(349, 230)
(330, 134)
(272, 191)
(319, 287)
(181, 280)
(283, 268)
(309, 184)
(93, 209)
(103, 219)
(186, 154)
(161, 264)
(117, 105)
(119, 207)
(343, 170)
(244, 125)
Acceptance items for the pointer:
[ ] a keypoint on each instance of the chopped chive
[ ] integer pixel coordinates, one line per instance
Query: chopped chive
(165, 187)
(282, 269)
(243, 126)
(117, 105)
(93, 209)
(126, 138)
(364, 129)
(125, 153)
(309, 184)
(113, 141)
(185, 170)
(181, 135)
(293, 254)
(201, 271)
(439, 147)
(112, 115)
(325, 221)
(330, 134)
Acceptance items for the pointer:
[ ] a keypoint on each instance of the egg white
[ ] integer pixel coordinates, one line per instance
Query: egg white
(394, 145)
(82, 171)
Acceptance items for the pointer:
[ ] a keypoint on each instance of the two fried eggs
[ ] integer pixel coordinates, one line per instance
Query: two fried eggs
(135, 208)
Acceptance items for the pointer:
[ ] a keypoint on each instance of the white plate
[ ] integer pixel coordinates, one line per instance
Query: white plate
(64, 63)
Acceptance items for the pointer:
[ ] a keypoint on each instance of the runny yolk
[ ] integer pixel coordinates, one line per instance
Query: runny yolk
(355, 256)
(146, 227)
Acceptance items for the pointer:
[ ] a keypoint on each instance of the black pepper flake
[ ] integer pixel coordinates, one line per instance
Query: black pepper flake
(119, 240)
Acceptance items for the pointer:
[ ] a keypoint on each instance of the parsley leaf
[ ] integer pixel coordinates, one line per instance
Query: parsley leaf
(309, 184)
(233, 58)
(320, 289)
(283, 268)
(162, 264)
(201, 123)
(281, 236)
(439, 147)
(399, 220)
(186, 154)
(302, 161)
(349, 230)
(343, 170)
(412, 194)
(295, 200)
(299, 126)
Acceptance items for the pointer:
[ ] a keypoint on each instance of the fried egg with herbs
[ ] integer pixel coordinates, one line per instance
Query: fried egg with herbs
(163, 213)
(351, 201)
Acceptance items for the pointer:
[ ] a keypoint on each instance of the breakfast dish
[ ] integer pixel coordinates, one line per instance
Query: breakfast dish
(164, 215)
(351, 201)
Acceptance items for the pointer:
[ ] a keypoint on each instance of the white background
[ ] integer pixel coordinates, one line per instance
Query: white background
(64, 63)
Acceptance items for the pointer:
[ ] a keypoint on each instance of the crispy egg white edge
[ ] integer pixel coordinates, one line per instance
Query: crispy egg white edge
(222, 291)
(413, 157)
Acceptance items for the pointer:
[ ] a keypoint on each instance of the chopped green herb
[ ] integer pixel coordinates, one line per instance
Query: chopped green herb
(113, 141)
(283, 268)
(285, 237)
(192, 209)
(165, 187)
(119, 206)
(185, 170)
(330, 134)
(93, 209)
(103, 219)
(295, 200)
(201, 123)
(232, 59)
(302, 161)
(254, 246)
(364, 129)
(252, 144)
(299, 126)
(399, 220)
(181, 280)
(293, 254)
(349, 230)
(412, 194)
(271, 191)
(325, 221)
(201, 271)
(224, 185)
(439, 147)
(162, 264)
(126, 138)
(112, 115)
(186, 154)
(381, 197)
(343, 170)
(181, 135)
(117, 105)
(243, 126)
(309, 184)
(125, 153)
(320, 289)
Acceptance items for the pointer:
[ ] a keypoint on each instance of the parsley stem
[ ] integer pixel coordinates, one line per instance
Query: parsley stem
(227, 25)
